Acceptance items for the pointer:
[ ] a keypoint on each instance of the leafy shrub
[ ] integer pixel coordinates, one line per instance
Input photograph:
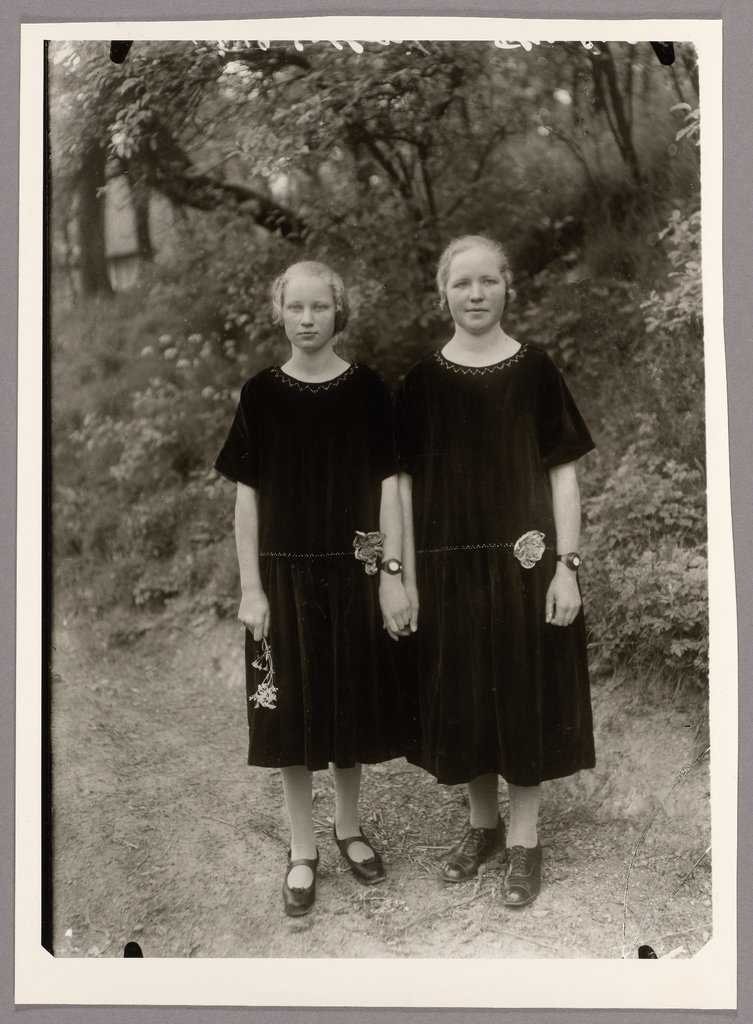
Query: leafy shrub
(647, 583)
(658, 614)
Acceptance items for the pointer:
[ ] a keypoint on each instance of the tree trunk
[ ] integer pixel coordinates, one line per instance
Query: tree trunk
(610, 93)
(91, 223)
(140, 198)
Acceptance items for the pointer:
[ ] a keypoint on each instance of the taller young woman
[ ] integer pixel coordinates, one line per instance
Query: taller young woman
(488, 436)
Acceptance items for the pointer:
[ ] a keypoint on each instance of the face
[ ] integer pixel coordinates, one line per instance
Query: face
(308, 312)
(476, 291)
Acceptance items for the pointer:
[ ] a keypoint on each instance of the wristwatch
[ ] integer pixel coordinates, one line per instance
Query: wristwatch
(572, 560)
(392, 566)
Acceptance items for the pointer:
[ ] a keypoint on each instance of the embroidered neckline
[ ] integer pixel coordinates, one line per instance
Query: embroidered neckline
(477, 371)
(314, 385)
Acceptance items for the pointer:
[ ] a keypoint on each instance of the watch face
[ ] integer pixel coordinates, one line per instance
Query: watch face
(575, 561)
(392, 566)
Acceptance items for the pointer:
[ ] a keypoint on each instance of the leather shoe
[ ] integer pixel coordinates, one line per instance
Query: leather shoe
(369, 871)
(473, 849)
(297, 901)
(523, 881)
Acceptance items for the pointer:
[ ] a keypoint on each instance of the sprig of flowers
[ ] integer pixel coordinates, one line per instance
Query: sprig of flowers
(265, 695)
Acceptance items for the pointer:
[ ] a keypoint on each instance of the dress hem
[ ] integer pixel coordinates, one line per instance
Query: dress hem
(323, 765)
(463, 779)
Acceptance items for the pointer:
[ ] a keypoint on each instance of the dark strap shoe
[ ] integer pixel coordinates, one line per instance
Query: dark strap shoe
(298, 902)
(523, 881)
(473, 849)
(369, 871)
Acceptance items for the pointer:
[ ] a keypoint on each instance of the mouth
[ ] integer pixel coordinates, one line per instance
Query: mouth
(307, 334)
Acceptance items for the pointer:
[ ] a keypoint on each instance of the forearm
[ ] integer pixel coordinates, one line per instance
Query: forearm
(247, 537)
(405, 487)
(566, 504)
(390, 518)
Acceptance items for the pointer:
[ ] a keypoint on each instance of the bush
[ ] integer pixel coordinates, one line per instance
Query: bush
(647, 579)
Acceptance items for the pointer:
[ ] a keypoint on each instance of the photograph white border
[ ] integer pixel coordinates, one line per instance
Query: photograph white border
(709, 979)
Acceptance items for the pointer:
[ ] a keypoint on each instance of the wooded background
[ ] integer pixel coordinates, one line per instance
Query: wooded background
(185, 179)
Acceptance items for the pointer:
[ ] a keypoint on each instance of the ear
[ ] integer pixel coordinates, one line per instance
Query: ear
(341, 320)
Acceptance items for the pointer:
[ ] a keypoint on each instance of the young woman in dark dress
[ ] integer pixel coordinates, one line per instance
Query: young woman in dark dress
(488, 435)
(311, 450)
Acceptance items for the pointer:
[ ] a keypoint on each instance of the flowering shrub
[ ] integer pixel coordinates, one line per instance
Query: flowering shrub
(140, 494)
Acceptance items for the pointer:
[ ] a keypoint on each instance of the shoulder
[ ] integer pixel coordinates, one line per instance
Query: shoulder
(539, 357)
(256, 385)
(258, 379)
(368, 375)
(421, 371)
(540, 365)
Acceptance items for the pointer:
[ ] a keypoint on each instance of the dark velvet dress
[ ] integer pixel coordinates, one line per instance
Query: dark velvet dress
(490, 687)
(317, 455)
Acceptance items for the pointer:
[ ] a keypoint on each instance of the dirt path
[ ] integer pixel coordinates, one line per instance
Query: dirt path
(164, 835)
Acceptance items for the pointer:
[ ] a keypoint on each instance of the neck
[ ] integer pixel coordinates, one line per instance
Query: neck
(315, 365)
(480, 349)
(479, 343)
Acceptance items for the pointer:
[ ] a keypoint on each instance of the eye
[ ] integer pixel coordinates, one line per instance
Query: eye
(294, 307)
(459, 284)
(321, 307)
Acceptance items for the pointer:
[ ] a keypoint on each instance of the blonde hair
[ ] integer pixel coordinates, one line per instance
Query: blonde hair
(313, 269)
(463, 244)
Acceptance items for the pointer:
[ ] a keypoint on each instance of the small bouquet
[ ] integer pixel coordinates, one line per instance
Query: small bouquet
(529, 548)
(369, 548)
(265, 695)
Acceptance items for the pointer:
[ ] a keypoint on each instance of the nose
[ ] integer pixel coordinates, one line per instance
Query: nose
(307, 317)
(476, 291)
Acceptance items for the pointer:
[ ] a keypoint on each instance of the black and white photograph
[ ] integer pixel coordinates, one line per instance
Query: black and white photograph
(384, 431)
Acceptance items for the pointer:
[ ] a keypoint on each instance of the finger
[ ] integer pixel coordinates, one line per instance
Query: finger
(414, 619)
(265, 624)
(549, 605)
(391, 633)
(392, 627)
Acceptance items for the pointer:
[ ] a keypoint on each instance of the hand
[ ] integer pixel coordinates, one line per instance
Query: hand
(411, 591)
(396, 611)
(254, 613)
(563, 597)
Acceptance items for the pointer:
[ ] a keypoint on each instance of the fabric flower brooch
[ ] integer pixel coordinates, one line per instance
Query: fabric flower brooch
(369, 548)
(529, 548)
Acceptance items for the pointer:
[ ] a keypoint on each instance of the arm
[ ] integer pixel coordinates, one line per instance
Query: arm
(392, 597)
(254, 608)
(563, 596)
(405, 486)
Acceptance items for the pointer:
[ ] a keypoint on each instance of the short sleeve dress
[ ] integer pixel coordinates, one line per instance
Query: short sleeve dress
(317, 454)
(489, 685)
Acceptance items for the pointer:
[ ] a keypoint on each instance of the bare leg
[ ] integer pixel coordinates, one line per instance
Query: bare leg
(297, 787)
(484, 800)
(524, 816)
(347, 791)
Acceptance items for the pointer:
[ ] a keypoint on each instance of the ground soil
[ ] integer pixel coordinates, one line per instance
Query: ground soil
(163, 834)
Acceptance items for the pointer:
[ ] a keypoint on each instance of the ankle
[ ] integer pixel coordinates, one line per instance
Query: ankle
(346, 827)
(487, 821)
(303, 850)
(527, 839)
